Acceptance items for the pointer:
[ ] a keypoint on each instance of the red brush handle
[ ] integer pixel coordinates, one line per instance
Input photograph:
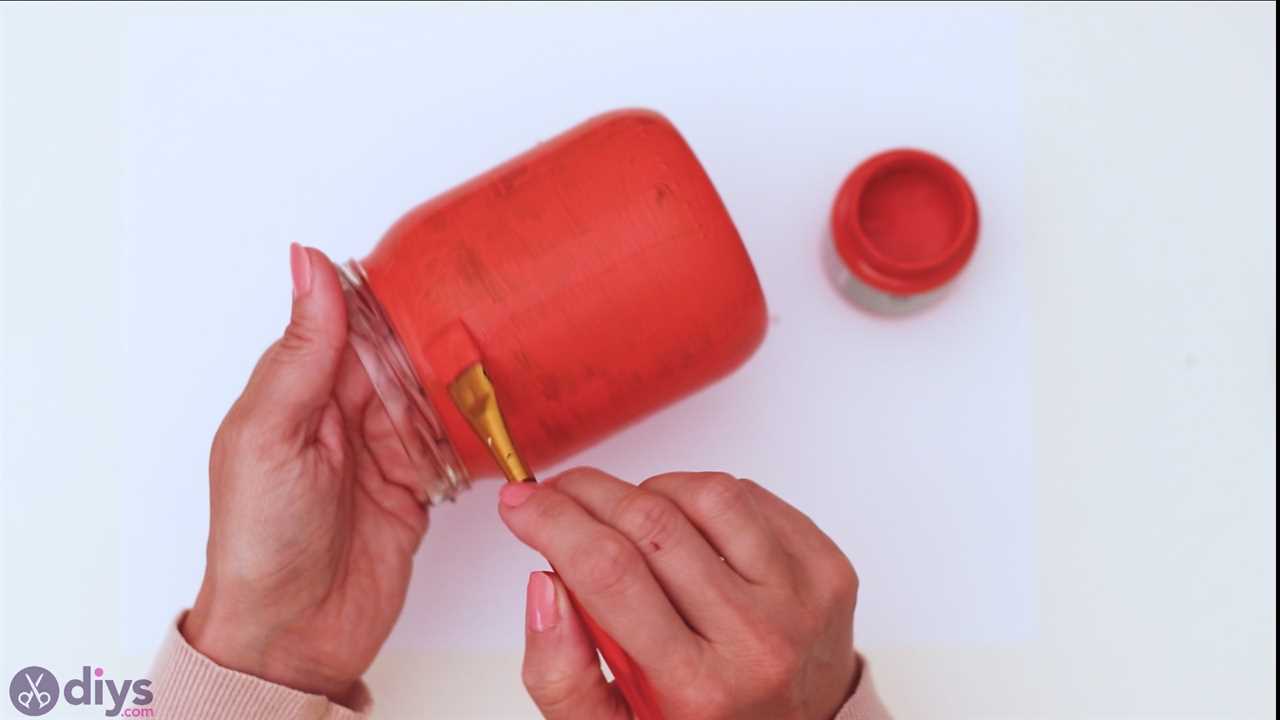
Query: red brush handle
(631, 681)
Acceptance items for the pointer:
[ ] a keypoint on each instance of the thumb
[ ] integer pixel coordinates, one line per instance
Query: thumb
(295, 378)
(561, 670)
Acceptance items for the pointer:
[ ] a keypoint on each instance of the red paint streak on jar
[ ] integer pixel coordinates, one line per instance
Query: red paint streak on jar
(598, 274)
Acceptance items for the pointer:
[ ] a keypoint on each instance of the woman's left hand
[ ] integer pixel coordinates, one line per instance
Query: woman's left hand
(314, 513)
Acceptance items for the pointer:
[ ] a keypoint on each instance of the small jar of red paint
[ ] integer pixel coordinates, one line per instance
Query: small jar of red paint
(598, 276)
(904, 224)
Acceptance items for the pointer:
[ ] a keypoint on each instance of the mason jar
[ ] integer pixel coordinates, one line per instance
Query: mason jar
(598, 277)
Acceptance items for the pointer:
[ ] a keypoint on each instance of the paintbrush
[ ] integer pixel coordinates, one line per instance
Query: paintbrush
(474, 396)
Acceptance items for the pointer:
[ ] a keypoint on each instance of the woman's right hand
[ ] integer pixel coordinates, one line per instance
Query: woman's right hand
(732, 602)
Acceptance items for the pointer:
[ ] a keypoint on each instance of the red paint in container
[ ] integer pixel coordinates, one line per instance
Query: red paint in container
(598, 277)
(905, 223)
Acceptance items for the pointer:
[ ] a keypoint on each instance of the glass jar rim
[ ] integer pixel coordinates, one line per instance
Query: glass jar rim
(436, 469)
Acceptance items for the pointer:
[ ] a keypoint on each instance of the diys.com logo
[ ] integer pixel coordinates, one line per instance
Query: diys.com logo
(34, 691)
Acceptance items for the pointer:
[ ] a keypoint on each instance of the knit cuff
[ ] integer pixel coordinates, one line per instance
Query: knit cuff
(864, 704)
(190, 686)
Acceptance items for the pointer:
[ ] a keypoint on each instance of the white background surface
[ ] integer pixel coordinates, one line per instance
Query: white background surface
(1137, 570)
(915, 455)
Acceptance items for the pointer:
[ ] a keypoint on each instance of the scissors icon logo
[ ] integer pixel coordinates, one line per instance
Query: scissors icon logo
(34, 691)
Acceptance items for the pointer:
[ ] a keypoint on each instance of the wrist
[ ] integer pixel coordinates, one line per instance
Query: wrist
(244, 642)
(845, 683)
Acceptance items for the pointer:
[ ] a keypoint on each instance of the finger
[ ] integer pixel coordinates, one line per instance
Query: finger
(820, 560)
(797, 531)
(696, 580)
(605, 572)
(561, 669)
(392, 511)
(352, 388)
(387, 451)
(725, 512)
(295, 378)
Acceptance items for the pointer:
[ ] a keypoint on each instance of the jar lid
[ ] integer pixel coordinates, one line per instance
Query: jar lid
(905, 222)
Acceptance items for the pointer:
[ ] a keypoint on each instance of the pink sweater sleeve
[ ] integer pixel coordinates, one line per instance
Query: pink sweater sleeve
(864, 704)
(190, 686)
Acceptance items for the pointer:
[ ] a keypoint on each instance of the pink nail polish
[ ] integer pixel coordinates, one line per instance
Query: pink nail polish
(541, 611)
(514, 495)
(300, 267)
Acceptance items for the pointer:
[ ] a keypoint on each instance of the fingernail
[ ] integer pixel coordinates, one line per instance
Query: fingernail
(541, 613)
(514, 494)
(300, 266)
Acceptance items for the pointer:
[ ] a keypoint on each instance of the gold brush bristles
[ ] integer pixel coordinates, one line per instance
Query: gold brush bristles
(475, 398)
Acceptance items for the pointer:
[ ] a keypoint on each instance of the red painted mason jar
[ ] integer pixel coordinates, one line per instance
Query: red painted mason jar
(597, 276)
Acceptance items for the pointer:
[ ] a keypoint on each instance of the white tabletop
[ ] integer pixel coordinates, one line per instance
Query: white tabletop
(1144, 138)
